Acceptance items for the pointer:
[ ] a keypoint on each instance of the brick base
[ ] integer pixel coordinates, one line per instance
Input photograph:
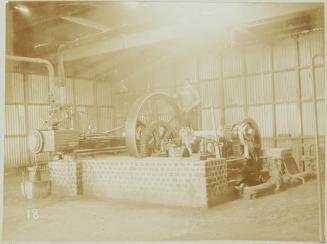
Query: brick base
(170, 181)
(65, 177)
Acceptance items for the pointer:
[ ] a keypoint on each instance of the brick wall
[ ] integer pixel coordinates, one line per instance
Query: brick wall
(169, 181)
(216, 181)
(65, 176)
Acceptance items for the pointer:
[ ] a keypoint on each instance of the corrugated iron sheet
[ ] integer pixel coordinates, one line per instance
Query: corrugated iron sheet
(287, 119)
(285, 54)
(207, 119)
(86, 118)
(263, 116)
(15, 120)
(186, 70)
(234, 115)
(285, 86)
(306, 83)
(37, 115)
(66, 93)
(103, 93)
(106, 119)
(308, 118)
(84, 92)
(38, 89)
(209, 93)
(232, 62)
(321, 117)
(259, 89)
(16, 152)
(209, 66)
(310, 45)
(257, 58)
(14, 88)
(233, 91)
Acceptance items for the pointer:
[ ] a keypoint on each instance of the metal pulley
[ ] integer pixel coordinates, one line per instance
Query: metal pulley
(35, 141)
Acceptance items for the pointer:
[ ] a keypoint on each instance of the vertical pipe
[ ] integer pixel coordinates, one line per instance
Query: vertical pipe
(74, 120)
(198, 108)
(273, 95)
(299, 99)
(96, 104)
(221, 92)
(319, 180)
(48, 65)
(26, 99)
(245, 89)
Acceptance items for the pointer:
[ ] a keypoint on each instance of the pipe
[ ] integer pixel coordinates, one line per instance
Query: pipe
(39, 61)
(61, 68)
(319, 182)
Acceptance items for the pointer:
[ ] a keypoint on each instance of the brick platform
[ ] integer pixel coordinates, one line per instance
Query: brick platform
(169, 181)
(65, 177)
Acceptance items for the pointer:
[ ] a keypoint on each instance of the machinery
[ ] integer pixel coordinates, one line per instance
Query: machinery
(155, 127)
(59, 141)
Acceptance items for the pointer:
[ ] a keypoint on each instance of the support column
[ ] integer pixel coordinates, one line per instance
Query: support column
(273, 94)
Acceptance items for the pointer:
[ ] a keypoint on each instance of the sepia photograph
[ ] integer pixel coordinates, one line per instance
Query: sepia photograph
(163, 121)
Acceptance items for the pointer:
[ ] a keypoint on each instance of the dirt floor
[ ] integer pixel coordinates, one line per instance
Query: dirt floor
(288, 215)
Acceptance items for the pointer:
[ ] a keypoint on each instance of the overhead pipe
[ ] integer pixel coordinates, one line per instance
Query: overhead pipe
(318, 169)
(38, 61)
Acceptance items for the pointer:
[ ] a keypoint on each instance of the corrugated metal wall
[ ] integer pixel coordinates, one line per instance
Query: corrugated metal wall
(27, 108)
(270, 83)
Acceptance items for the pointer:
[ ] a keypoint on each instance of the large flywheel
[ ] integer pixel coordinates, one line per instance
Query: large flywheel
(146, 109)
